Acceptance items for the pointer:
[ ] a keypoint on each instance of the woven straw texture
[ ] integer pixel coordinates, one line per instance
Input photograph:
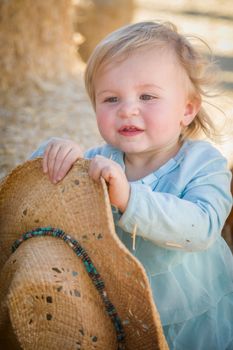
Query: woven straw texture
(47, 299)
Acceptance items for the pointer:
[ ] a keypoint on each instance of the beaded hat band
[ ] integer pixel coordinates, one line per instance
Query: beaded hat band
(47, 299)
(90, 268)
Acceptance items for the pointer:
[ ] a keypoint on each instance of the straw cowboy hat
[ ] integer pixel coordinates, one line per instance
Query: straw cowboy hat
(75, 285)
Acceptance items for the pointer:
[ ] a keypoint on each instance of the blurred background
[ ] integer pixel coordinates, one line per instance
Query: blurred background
(43, 51)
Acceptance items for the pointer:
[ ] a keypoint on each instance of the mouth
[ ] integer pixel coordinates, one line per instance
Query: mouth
(130, 130)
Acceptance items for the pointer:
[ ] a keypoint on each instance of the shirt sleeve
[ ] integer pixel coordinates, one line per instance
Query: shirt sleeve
(191, 222)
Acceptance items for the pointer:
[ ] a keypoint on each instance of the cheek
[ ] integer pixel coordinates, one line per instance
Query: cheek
(155, 120)
(162, 125)
(104, 122)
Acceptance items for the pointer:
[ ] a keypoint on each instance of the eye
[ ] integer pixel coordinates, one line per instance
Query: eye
(146, 97)
(111, 99)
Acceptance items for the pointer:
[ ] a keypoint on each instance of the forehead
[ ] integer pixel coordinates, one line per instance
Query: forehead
(156, 67)
(140, 63)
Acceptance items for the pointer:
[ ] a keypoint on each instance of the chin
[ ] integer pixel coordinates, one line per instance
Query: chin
(130, 149)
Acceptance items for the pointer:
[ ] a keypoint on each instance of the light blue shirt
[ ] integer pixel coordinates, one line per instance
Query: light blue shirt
(179, 211)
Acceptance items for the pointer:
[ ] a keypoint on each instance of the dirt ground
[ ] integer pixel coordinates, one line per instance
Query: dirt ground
(64, 110)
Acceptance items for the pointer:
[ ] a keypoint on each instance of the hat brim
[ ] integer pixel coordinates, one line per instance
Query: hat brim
(80, 207)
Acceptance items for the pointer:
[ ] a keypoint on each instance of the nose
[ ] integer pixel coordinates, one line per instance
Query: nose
(128, 109)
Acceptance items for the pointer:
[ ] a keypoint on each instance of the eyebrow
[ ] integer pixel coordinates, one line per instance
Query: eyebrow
(138, 86)
(103, 92)
(150, 86)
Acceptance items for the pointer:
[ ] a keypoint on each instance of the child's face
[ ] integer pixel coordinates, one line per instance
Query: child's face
(142, 102)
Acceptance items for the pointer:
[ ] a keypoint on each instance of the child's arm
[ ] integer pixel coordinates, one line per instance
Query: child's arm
(191, 222)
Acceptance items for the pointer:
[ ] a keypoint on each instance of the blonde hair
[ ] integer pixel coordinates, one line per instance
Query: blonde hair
(123, 42)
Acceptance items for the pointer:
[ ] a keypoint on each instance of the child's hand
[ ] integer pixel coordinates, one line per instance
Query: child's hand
(118, 186)
(59, 156)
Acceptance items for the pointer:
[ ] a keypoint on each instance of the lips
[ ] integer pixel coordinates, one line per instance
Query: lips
(130, 130)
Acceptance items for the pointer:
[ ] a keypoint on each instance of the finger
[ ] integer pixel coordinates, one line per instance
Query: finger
(100, 167)
(106, 173)
(94, 170)
(50, 145)
(45, 158)
(52, 158)
(61, 154)
(65, 159)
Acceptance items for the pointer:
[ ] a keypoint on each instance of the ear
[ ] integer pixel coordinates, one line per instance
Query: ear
(191, 109)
